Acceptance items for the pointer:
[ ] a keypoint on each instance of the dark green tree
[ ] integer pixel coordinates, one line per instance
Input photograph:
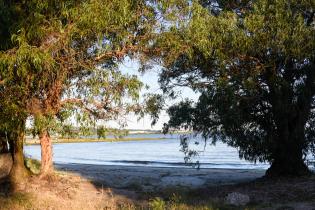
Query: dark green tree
(253, 64)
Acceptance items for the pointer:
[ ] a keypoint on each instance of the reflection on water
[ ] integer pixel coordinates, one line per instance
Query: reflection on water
(153, 153)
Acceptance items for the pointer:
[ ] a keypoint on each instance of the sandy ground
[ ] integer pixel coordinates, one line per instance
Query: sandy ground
(61, 191)
(95, 187)
(152, 178)
(202, 185)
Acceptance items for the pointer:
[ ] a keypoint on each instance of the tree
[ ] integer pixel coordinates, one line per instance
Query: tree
(11, 129)
(253, 64)
(104, 94)
(47, 47)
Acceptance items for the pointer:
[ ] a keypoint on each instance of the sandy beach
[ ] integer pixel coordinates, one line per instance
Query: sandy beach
(87, 186)
(153, 178)
(212, 185)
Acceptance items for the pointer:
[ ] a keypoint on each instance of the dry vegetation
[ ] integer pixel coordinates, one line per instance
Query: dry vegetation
(60, 191)
(65, 191)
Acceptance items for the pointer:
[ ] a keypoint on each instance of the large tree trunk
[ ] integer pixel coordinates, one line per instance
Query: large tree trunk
(18, 174)
(46, 153)
(290, 112)
(288, 162)
(288, 158)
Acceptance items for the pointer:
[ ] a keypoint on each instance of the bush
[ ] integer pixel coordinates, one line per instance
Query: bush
(33, 165)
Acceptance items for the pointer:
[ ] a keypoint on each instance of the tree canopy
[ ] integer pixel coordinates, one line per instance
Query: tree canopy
(61, 57)
(253, 64)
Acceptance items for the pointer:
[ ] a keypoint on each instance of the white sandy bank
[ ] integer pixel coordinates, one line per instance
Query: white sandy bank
(152, 178)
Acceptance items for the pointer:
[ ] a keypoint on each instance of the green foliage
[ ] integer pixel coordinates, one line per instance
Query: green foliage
(253, 64)
(103, 132)
(157, 204)
(153, 105)
(67, 131)
(33, 165)
(175, 202)
(59, 60)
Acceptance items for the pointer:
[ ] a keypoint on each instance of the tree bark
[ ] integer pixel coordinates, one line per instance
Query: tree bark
(290, 117)
(288, 157)
(46, 153)
(288, 161)
(3, 145)
(293, 167)
(18, 174)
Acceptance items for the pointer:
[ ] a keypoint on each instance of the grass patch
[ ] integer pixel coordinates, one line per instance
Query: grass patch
(176, 202)
(16, 201)
(188, 199)
(32, 165)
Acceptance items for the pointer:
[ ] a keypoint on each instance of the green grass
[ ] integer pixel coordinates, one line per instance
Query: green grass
(176, 202)
(32, 164)
(187, 199)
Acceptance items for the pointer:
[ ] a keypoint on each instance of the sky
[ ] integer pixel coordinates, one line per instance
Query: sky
(150, 78)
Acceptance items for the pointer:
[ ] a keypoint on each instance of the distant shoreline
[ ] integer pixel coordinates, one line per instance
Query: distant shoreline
(35, 141)
(86, 140)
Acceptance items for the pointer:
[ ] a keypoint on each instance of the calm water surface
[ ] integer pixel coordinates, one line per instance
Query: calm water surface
(153, 153)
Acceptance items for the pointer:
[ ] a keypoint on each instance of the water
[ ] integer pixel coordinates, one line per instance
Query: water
(152, 153)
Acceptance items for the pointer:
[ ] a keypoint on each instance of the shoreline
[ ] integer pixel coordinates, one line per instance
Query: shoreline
(88, 186)
(209, 186)
(55, 140)
(88, 140)
(149, 179)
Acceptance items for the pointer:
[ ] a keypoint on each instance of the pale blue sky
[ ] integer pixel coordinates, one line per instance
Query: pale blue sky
(150, 78)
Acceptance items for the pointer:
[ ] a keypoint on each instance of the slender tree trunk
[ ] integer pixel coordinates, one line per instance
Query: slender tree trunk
(46, 153)
(18, 174)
